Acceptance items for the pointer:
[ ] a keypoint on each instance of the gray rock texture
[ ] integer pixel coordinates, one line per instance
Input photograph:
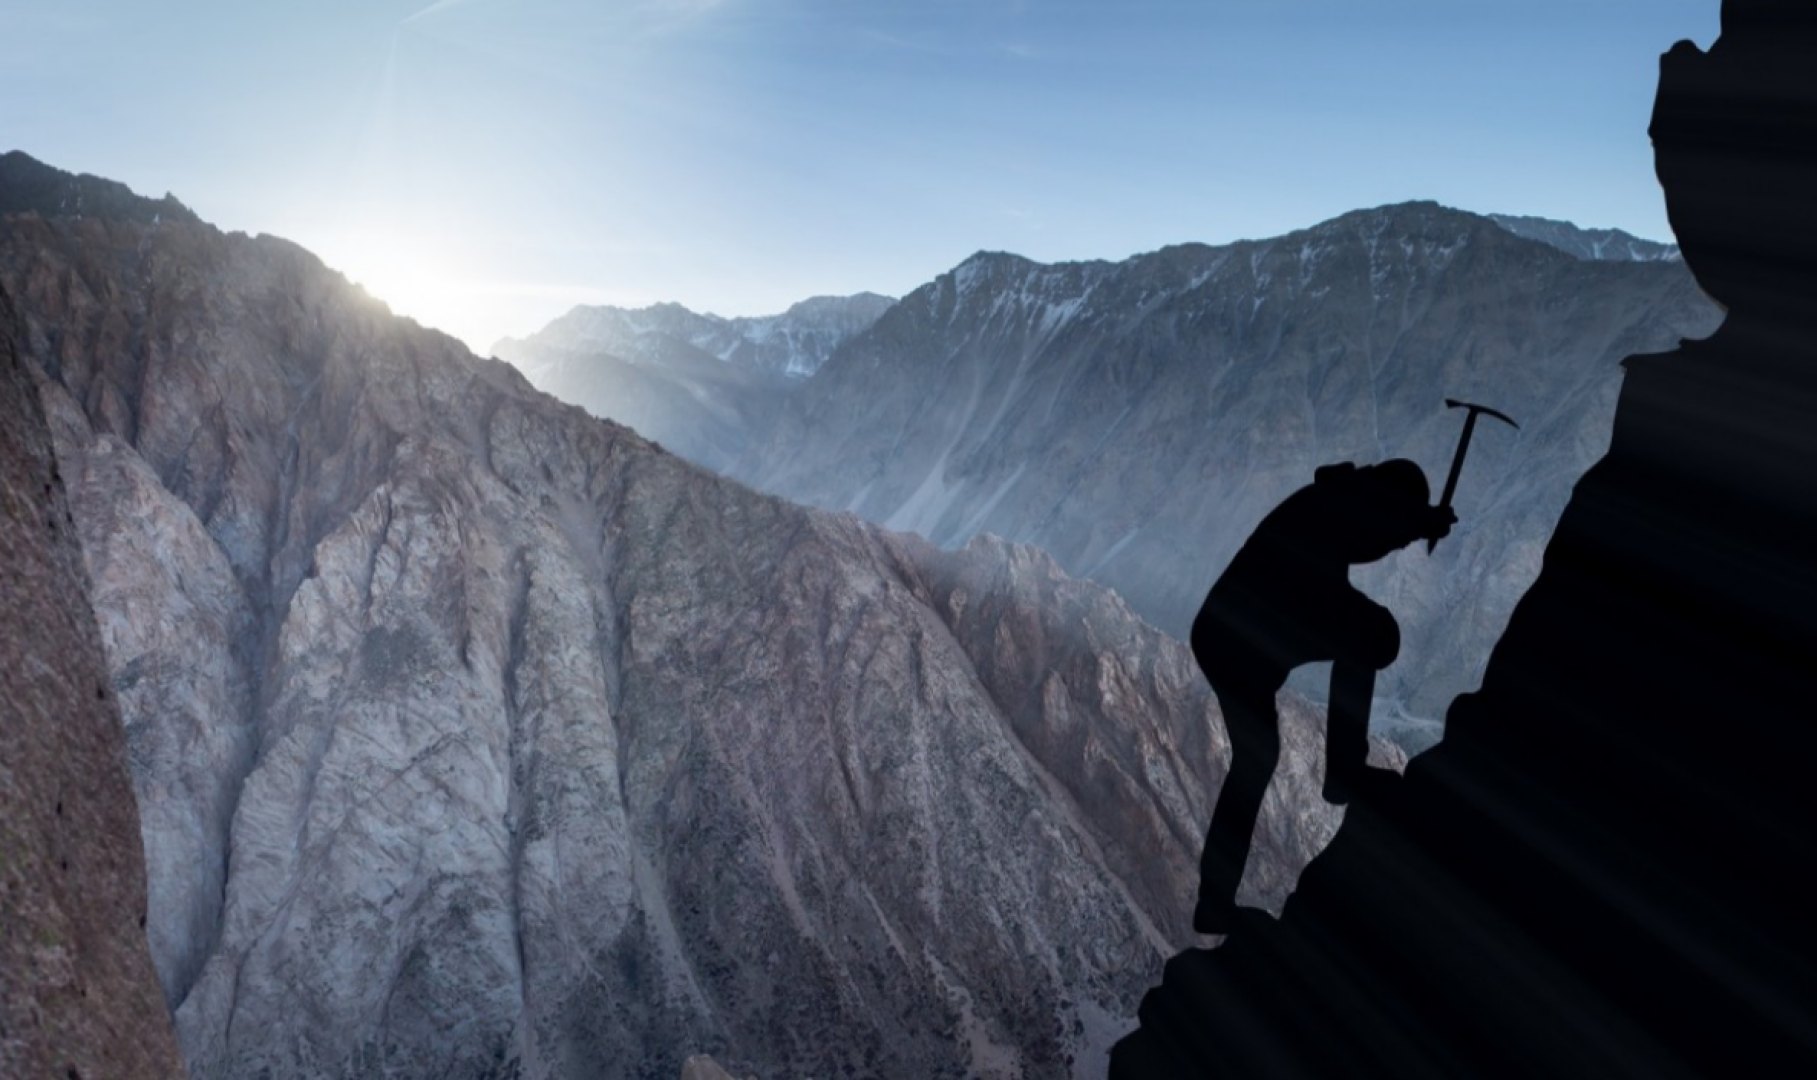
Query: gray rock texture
(476, 737)
(78, 995)
(1137, 419)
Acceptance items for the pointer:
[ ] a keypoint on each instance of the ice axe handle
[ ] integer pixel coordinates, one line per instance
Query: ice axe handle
(1463, 446)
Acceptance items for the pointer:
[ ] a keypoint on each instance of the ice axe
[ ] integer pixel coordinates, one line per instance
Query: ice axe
(1463, 445)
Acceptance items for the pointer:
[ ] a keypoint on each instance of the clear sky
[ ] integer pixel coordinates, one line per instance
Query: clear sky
(484, 165)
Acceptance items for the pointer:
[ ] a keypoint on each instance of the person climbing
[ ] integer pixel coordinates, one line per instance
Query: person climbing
(1286, 600)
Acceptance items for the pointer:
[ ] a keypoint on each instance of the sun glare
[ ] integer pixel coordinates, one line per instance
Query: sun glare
(421, 279)
(408, 282)
(415, 279)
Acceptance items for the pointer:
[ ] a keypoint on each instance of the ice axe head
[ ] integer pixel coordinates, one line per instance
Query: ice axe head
(1463, 446)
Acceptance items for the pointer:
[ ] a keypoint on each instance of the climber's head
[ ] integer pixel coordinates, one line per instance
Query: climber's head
(1389, 509)
(1400, 482)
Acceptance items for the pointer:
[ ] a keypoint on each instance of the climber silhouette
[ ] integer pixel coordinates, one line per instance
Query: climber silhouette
(1286, 600)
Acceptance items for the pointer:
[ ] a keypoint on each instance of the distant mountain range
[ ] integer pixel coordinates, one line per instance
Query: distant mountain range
(792, 344)
(701, 385)
(1136, 418)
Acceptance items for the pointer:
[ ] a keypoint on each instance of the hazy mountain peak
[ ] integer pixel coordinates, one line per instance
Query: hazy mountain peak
(982, 257)
(823, 306)
(665, 356)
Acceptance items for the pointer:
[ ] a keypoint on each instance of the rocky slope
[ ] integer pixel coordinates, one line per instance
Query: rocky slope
(78, 996)
(476, 737)
(1136, 419)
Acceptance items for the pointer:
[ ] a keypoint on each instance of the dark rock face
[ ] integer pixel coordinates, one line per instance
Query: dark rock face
(1137, 419)
(475, 737)
(1609, 865)
(78, 996)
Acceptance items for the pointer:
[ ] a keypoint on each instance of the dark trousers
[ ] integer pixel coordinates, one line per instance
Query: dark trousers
(1253, 723)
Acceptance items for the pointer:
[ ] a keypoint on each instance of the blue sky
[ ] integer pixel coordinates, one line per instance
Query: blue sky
(484, 165)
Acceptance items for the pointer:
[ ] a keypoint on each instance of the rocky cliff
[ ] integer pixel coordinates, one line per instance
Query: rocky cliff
(1137, 419)
(473, 736)
(78, 996)
(1608, 867)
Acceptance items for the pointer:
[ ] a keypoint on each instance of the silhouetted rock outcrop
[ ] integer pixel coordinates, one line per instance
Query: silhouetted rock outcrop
(1609, 866)
(78, 996)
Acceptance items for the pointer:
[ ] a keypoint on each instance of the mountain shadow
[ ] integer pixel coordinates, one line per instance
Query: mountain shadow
(1606, 866)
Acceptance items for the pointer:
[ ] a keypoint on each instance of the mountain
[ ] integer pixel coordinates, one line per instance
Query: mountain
(1612, 244)
(705, 387)
(1136, 419)
(473, 736)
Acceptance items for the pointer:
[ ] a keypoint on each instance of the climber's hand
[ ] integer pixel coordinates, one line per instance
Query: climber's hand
(1442, 518)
